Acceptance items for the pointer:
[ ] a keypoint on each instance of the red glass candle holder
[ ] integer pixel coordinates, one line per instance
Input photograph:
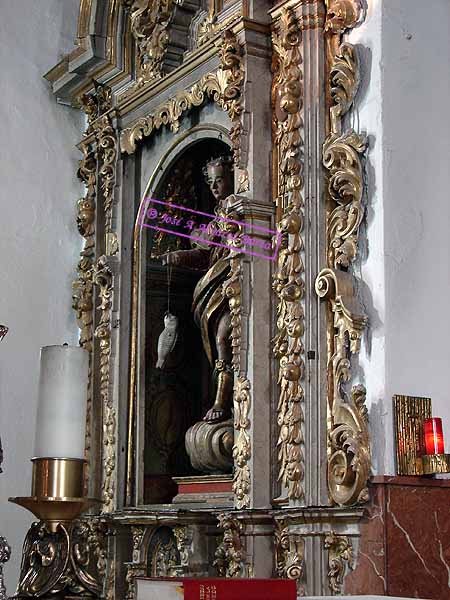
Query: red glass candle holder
(434, 439)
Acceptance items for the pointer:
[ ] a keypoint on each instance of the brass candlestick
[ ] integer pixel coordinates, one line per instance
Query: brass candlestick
(60, 555)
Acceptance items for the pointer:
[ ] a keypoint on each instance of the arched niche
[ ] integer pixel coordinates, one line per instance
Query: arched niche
(169, 400)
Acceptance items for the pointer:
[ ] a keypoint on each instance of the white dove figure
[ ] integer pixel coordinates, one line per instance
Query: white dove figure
(167, 339)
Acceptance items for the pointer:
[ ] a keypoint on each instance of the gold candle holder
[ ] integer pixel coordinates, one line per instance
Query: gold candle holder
(434, 464)
(57, 499)
(57, 491)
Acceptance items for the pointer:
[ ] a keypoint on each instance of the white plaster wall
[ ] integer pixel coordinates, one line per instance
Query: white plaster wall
(403, 106)
(38, 240)
(416, 159)
(367, 117)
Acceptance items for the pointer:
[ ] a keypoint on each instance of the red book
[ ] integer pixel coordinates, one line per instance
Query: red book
(215, 589)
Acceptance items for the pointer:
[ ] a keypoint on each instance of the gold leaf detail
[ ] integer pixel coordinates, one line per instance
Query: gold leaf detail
(103, 278)
(340, 555)
(242, 446)
(223, 86)
(288, 282)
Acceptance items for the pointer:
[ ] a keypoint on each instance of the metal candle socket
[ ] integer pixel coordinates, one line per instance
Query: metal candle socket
(56, 491)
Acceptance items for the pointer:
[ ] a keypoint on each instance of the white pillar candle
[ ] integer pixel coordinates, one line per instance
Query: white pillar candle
(61, 414)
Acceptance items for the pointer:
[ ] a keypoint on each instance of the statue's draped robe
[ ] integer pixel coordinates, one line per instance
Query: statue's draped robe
(209, 301)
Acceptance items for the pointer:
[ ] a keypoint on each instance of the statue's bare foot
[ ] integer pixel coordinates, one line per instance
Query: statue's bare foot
(215, 415)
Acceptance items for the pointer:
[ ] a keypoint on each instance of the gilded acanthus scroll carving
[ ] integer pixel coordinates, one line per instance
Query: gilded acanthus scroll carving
(342, 158)
(96, 104)
(242, 445)
(342, 15)
(103, 278)
(340, 556)
(349, 459)
(288, 281)
(289, 555)
(149, 25)
(230, 554)
(349, 449)
(223, 86)
(82, 287)
(107, 154)
(209, 26)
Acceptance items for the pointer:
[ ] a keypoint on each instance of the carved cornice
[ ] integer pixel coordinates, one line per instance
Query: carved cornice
(289, 555)
(103, 278)
(102, 53)
(242, 445)
(288, 281)
(224, 87)
(230, 554)
(340, 557)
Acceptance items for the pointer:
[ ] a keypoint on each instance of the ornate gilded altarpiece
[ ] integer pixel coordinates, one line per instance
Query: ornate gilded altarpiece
(270, 83)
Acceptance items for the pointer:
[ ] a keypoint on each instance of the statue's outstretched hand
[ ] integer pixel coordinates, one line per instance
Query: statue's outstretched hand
(171, 258)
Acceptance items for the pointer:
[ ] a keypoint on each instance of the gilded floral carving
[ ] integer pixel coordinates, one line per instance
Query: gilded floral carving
(103, 278)
(150, 20)
(242, 445)
(289, 555)
(288, 283)
(342, 15)
(349, 447)
(82, 287)
(137, 533)
(107, 144)
(96, 104)
(349, 460)
(342, 158)
(230, 554)
(340, 557)
(183, 536)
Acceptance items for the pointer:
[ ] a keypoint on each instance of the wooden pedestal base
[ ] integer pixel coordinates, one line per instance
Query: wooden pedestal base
(211, 490)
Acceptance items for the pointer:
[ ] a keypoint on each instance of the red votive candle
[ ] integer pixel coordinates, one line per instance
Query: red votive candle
(434, 439)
